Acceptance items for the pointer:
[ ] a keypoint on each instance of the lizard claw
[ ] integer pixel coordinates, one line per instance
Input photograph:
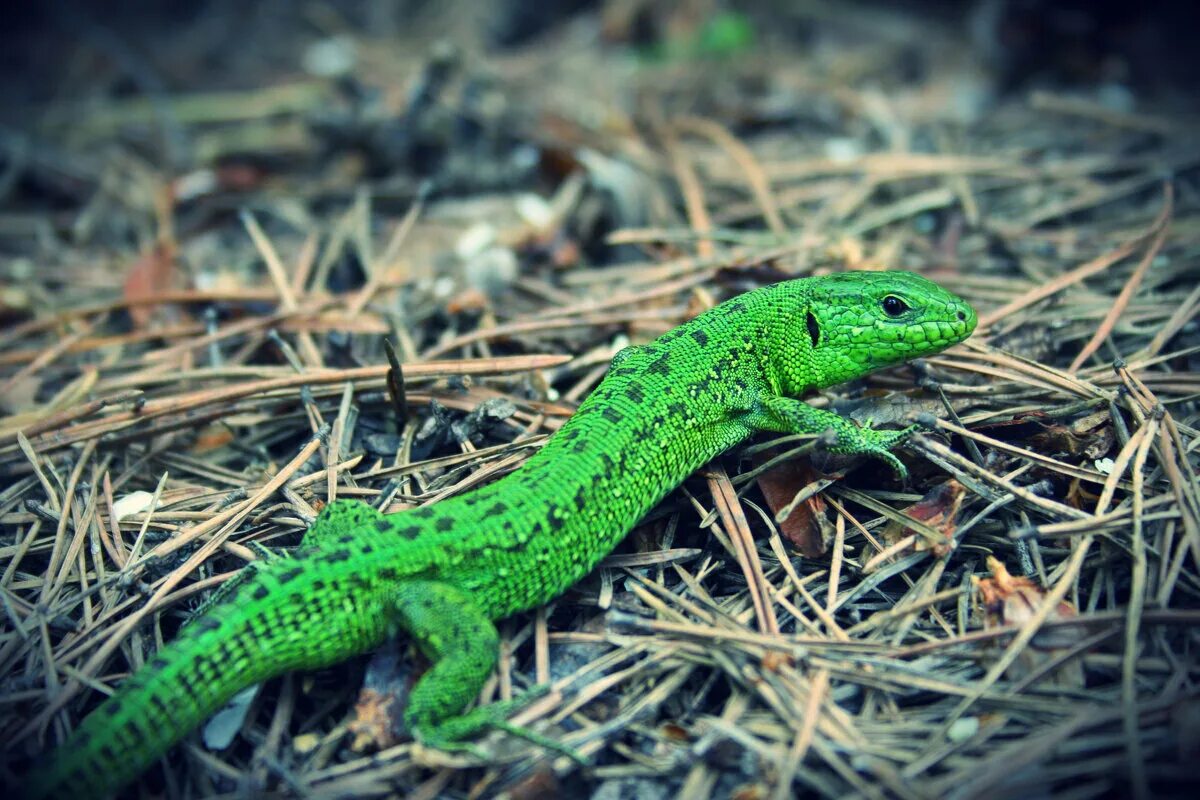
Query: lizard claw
(871, 442)
(449, 735)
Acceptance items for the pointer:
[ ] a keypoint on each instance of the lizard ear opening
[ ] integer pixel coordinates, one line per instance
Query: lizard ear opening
(814, 328)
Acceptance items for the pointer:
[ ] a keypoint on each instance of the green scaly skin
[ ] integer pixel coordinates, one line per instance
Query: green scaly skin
(442, 574)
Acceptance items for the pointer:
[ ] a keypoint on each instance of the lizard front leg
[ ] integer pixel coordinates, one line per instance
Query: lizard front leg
(789, 415)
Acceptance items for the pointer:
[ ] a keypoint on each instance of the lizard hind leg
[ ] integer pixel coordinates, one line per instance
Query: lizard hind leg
(339, 520)
(463, 645)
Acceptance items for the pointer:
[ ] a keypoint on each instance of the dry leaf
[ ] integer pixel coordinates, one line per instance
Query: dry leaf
(1013, 600)
(372, 723)
(212, 437)
(150, 275)
(386, 685)
(1090, 436)
(938, 509)
(807, 527)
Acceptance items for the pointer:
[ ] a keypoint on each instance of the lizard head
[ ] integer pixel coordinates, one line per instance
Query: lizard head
(857, 322)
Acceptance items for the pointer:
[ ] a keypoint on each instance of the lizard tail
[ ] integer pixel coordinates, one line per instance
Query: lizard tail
(272, 624)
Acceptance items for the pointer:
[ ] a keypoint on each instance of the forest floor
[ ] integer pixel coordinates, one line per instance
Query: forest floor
(219, 231)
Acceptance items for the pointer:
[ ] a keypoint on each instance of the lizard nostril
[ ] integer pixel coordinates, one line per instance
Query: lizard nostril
(962, 316)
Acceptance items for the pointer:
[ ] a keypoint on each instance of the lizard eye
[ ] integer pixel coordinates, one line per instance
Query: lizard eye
(893, 306)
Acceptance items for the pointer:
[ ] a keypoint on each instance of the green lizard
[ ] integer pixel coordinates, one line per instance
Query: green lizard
(444, 573)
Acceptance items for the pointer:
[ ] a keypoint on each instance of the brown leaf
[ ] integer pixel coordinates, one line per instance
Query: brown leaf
(149, 276)
(938, 509)
(212, 437)
(807, 527)
(774, 660)
(675, 732)
(566, 253)
(1090, 436)
(385, 689)
(1097, 433)
(750, 791)
(1057, 439)
(372, 723)
(1013, 600)
(243, 177)
(467, 300)
(1079, 496)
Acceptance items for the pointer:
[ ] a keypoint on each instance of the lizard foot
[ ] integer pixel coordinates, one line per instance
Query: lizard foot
(878, 443)
(449, 734)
